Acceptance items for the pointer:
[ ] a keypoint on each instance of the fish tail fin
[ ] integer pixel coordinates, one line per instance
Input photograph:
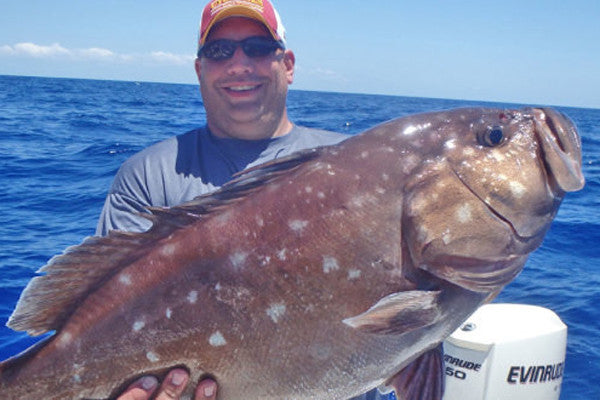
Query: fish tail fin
(422, 379)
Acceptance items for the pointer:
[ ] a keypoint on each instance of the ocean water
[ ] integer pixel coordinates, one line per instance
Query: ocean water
(62, 140)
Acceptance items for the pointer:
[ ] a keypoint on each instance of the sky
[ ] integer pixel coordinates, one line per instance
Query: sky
(542, 52)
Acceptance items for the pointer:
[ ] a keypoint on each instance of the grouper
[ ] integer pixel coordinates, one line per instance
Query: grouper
(318, 276)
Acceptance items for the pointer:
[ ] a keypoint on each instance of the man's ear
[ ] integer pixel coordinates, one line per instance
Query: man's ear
(198, 68)
(289, 59)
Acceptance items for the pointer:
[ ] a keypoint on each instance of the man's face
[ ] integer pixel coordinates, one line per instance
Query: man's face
(245, 97)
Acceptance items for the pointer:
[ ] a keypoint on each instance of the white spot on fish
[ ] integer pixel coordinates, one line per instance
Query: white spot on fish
(361, 200)
(498, 156)
(320, 351)
(259, 221)
(217, 339)
(446, 237)
(168, 313)
(354, 274)
(218, 286)
(238, 259)
(464, 214)
(308, 189)
(125, 279)
(276, 311)
(518, 189)
(265, 261)
(330, 264)
(450, 144)
(364, 155)
(410, 162)
(297, 225)
(65, 339)
(468, 151)
(152, 357)
(168, 250)
(138, 326)
(281, 254)
(410, 130)
(415, 128)
(385, 177)
(77, 378)
(330, 171)
(192, 297)
(321, 195)
(223, 218)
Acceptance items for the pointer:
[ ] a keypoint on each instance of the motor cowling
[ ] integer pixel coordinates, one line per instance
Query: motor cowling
(506, 351)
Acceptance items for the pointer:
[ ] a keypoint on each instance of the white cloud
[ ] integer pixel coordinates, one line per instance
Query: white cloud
(323, 71)
(34, 50)
(6, 49)
(171, 58)
(55, 50)
(95, 52)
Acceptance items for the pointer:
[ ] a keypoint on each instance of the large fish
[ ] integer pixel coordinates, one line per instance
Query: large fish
(318, 276)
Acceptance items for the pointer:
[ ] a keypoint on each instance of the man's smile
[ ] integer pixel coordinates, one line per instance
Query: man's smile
(242, 88)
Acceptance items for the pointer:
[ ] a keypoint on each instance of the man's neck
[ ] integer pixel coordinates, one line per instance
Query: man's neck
(252, 131)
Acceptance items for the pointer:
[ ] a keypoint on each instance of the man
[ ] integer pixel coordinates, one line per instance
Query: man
(244, 71)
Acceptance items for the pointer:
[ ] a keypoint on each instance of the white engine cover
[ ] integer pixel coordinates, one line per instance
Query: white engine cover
(506, 351)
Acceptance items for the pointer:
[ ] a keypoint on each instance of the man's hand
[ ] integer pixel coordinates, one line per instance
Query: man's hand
(172, 387)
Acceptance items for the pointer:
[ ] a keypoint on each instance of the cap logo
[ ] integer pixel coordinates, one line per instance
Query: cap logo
(220, 5)
(261, 11)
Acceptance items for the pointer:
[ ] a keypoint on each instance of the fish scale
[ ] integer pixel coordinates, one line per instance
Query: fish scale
(318, 276)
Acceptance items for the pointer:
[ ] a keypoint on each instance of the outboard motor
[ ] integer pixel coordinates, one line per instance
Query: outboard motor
(506, 351)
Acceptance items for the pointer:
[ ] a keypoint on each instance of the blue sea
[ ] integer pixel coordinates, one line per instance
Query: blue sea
(62, 140)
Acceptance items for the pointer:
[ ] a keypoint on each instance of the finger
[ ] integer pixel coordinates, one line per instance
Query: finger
(173, 385)
(206, 390)
(141, 389)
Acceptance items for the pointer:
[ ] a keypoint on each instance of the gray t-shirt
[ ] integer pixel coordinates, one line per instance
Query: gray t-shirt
(178, 169)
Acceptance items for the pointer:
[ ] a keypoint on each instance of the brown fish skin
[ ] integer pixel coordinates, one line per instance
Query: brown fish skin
(319, 276)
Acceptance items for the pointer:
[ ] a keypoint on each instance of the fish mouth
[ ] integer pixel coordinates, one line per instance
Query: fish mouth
(561, 148)
(483, 274)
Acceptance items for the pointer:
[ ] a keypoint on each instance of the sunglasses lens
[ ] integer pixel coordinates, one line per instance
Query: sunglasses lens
(219, 49)
(222, 49)
(259, 46)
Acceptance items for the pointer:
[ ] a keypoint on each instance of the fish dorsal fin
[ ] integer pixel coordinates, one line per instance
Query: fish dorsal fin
(50, 299)
(422, 379)
(399, 313)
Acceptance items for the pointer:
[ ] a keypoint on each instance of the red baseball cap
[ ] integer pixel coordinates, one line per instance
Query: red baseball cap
(259, 10)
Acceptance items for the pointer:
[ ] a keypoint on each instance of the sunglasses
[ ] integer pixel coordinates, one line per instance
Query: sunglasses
(253, 47)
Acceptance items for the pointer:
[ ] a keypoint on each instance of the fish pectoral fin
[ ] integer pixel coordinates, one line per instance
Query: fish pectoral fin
(399, 313)
(422, 379)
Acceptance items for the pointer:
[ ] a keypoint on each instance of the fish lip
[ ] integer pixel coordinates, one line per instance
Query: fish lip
(475, 274)
(560, 146)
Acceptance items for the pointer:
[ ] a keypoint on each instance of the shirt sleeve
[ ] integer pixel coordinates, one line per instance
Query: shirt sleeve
(128, 198)
(124, 213)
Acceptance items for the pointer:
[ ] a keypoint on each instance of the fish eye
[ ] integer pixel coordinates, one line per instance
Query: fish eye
(492, 137)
